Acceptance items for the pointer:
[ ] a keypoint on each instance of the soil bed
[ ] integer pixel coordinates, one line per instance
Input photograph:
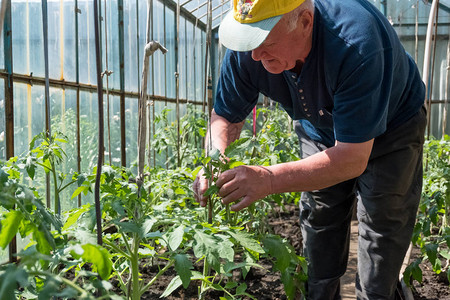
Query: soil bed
(433, 287)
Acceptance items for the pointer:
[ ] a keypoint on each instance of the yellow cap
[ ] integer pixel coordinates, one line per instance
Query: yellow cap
(248, 11)
(250, 22)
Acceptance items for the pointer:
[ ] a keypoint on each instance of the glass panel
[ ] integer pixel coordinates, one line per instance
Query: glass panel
(182, 58)
(114, 107)
(86, 40)
(64, 120)
(131, 53)
(158, 59)
(190, 63)
(131, 131)
(56, 39)
(112, 50)
(199, 65)
(88, 131)
(67, 50)
(27, 40)
(29, 115)
(170, 55)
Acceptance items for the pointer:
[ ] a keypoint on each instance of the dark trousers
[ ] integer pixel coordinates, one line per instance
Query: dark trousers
(387, 195)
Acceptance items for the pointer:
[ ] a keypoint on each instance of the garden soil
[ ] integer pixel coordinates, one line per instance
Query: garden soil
(264, 284)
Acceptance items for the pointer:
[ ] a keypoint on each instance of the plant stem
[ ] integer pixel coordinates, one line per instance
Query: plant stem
(115, 248)
(55, 184)
(201, 296)
(136, 295)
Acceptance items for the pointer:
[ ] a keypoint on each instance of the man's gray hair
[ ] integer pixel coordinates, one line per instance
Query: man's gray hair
(291, 17)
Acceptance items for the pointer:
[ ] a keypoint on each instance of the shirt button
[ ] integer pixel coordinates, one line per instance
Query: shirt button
(293, 76)
(300, 90)
(305, 109)
(308, 115)
(304, 103)
(302, 97)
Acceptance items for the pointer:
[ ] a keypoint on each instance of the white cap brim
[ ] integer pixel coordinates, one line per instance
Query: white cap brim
(244, 36)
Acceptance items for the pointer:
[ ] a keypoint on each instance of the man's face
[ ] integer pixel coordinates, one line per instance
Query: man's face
(282, 49)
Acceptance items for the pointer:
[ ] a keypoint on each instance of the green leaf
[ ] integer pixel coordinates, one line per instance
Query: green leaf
(172, 286)
(81, 179)
(30, 167)
(206, 245)
(235, 164)
(75, 215)
(226, 250)
(43, 245)
(176, 237)
(10, 226)
(277, 249)
(241, 289)
(183, 267)
(176, 283)
(79, 190)
(179, 191)
(3, 176)
(246, 240)
(100, 259)
(413, 271)
(431, 250)
(9, 279)
(147, 226)
(213, 189)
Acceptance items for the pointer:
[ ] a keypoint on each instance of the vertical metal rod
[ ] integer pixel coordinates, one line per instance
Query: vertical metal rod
(177, 80)
(165, 73)
(100, 125)
(433, 61)
(47, 96)
(151, 37)
(427, 60)
(77, 78)
(444, 114)
(9, 101)
(107, 73)
(416, 33)
(122, 85)
(206, 100)
(137, 47)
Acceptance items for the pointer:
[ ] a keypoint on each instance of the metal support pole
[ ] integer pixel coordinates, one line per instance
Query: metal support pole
(77, 78)
(9, 101)
(101, 135)
(122, 85)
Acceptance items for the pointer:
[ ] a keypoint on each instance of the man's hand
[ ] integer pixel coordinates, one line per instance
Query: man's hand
(200, 186)
(249, 183)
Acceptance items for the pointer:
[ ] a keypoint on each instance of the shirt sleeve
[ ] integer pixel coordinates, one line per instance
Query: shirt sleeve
(236, 94)
(361, 101)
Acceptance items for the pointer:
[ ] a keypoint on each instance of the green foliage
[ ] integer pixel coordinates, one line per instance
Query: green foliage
(432, 230)
(158, 225)
(45, 262)
(180, 142)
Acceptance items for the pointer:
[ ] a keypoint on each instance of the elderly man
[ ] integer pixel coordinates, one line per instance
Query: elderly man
(339, 70)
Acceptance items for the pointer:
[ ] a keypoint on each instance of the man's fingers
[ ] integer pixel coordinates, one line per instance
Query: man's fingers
(246, 201)
(225, 177)
(233, 196)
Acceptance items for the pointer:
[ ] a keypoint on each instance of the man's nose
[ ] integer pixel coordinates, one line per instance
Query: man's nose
(257, 54)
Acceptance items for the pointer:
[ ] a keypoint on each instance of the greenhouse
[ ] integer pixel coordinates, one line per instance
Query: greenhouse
(224, 149)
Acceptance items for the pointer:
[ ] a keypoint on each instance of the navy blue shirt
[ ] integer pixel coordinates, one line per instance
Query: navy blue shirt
(356, 82)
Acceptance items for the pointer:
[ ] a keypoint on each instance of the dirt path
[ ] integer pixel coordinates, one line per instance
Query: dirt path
(348, 280)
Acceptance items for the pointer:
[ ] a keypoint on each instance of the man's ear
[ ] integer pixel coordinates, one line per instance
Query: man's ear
(305, 20)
